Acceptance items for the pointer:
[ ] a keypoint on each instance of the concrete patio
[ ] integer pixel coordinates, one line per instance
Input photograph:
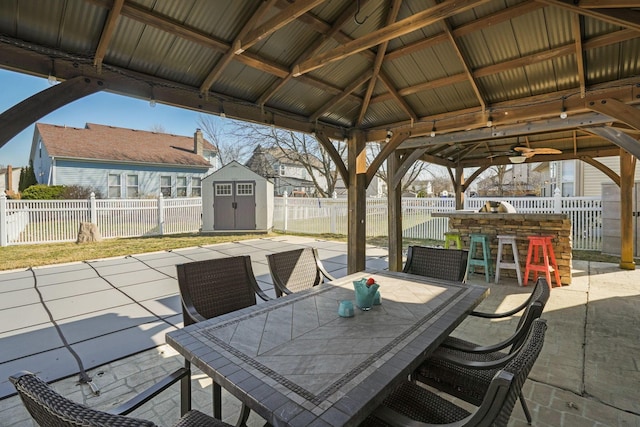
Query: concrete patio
(114, 314)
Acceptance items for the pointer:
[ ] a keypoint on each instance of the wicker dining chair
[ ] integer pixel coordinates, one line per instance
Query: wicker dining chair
(464, 369)
(212, 288)
(412, 404)
(439, 263)
(296, 270)
(50, 409)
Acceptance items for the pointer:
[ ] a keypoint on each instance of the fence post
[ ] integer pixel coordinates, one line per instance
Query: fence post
(93, 209)
(557, 201)
(160, 214)
(332, 213)
(285, 210)
(3, 219)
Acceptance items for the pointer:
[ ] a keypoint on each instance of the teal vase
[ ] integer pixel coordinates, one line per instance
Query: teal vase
(365, 294)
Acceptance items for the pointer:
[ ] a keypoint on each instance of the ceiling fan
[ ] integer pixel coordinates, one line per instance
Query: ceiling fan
(519, 154)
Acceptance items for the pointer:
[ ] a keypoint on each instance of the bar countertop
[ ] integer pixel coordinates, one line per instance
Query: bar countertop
(500, 215)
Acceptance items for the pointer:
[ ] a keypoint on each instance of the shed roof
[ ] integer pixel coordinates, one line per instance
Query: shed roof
(114, 144)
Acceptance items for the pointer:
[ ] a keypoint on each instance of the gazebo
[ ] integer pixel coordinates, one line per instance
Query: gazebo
(457, 83)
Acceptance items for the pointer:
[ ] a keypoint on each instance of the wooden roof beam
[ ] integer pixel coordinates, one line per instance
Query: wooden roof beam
(226, 59)
(576, 28)
(107, 33)
(282, 18)
(395, 30)
(465, 64)
(338, 98)
(346, 14)
(377, 63)
(627, 18)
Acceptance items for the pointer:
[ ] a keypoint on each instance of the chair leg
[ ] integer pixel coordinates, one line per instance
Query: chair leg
(217, 401)
(185, 390)
(244, 416)
(525, 408)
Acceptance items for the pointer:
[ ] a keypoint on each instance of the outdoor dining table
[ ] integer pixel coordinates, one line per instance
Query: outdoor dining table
(296, 362)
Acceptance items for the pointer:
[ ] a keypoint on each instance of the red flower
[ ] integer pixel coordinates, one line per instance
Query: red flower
(371, 281)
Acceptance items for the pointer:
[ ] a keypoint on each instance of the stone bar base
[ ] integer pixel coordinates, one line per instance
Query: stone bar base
(521, 226)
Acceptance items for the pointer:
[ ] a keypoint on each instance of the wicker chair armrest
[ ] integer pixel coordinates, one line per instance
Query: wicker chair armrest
(144, 397)
(459, 360)
(190, 310)
(503, 314)
(396, 419)
(320, 266)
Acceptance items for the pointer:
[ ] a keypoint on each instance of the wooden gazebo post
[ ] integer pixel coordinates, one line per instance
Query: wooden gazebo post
(394, 206)
(627, 171)
(357, 203)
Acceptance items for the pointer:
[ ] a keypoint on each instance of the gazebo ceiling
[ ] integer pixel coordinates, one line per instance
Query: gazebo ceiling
(481, 75)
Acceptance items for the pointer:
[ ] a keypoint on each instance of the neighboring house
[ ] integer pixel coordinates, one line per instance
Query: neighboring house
(9, 180)
(286, 174)
(518, 180)
(577, 178)
(122, 163)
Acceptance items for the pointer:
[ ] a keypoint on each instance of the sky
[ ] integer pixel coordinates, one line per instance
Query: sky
(102, 108)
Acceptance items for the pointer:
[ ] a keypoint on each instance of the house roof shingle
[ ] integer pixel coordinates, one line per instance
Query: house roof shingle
(109, 143)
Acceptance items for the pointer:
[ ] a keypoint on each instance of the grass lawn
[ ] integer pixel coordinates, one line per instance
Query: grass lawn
(23, 256)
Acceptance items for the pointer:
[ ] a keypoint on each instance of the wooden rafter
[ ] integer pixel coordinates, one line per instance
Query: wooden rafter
(107, 33)
(576, 28)
(226, 59)
(377, 64)
(317, 44)
(465, 65)
(281, 19)
(624, 18)
(405, 26)
(338, 98)
(385, 152)
(600, 4)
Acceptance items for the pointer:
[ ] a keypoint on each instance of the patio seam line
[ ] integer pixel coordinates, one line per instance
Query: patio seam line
(130, 297)
(84, 377)
(151, 267)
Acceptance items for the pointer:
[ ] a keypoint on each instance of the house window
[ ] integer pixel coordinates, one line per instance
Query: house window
(132, 186)
(283, 170)
(181, 186)
(114, 186)
(244, 189)
(165, 186)
(196, 187)
(223, 189)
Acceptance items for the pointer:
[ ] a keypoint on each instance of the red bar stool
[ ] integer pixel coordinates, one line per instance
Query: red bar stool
(548, 262)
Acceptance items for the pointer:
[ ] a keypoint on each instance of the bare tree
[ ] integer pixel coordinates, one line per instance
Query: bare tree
(229, 147)
(157, 128)
(415, 171)
(299, 148)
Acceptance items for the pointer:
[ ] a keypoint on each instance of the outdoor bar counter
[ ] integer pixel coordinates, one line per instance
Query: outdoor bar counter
(520, 225)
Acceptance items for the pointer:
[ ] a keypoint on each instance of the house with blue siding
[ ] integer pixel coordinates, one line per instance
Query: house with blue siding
(122, 163)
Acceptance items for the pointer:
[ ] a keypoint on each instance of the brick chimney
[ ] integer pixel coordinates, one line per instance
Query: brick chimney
(198, 142)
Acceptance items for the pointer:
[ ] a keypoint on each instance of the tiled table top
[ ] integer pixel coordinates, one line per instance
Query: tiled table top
(296, 362)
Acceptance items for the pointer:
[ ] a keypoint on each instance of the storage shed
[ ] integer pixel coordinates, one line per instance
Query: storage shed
(234, 198)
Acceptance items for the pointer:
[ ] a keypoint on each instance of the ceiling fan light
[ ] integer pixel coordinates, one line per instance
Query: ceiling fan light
(517, 159)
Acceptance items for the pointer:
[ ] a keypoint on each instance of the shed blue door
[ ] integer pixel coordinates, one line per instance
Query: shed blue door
(234, 205)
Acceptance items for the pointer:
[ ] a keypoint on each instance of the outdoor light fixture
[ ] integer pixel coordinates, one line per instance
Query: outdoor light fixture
(389, 135)
(222, 113)
(433, 129)
(52, 79)
(563, 112)
(517, 159)
(152, 103)
(489, 121)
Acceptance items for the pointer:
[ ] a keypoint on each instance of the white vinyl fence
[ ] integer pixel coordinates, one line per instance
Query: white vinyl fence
(318, 216)
(43, 221)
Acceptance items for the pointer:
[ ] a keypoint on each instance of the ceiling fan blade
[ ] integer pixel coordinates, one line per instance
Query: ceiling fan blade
(547, 151)
(523, 149)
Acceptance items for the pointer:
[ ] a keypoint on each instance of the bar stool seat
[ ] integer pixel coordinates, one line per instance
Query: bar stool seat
(452, 237)
(548, 262)
(483, 241)
(500, 263)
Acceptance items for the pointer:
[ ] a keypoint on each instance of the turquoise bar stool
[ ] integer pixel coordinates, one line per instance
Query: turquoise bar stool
(480, 241)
